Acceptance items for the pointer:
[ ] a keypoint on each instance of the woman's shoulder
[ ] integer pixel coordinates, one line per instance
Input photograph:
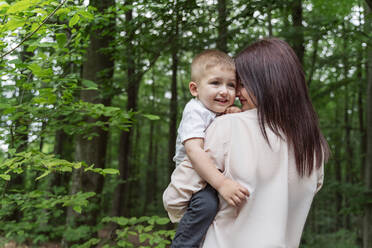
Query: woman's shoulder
(248, 114)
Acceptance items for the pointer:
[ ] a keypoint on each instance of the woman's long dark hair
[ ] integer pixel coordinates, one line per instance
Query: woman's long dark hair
(272, 73)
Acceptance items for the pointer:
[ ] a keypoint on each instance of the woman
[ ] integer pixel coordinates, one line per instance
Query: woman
(274, 148)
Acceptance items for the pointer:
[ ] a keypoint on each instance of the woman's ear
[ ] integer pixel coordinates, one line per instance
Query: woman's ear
(193, 87)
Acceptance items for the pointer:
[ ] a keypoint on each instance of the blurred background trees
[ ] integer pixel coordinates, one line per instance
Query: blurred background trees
(103, 83)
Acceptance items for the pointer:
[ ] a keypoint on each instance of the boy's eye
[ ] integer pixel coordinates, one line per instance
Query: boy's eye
(214, 82)
(231, 85)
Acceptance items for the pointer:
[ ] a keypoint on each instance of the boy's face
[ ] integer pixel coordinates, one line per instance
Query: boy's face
(216, 88)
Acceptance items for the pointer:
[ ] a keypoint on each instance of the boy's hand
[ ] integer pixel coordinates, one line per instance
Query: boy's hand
(234, 193)
(232, 109)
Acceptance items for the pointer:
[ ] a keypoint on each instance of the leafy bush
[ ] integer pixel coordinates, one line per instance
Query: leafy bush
(340, 239)
(36, 215)
(143, 232)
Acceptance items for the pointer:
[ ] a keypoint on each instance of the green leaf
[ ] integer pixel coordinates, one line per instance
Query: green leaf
(62, 11)
(148, 228)
(40, 11)
(77, 209)
(86, 14)
(4, 106)
(122, 221)
(46, 173)
(78, 165)
(162, 221)
(21, 6)
(15, 22)
(151, 117)
(73, 20)
(3, 5)
(143, 237)
(5, 177)
(61, 39)
(40, 72)
(90, 84)
(111, 171)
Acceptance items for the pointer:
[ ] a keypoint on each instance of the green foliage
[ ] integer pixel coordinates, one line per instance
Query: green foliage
(79, 233)
(340, 239)
(43, 165)
(40, 211)
(142, 232)
(37, 209)
(41, 101)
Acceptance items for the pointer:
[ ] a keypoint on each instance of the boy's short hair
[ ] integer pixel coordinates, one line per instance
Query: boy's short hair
(207, 59)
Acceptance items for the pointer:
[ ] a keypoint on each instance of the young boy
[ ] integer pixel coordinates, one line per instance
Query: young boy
(188, 196)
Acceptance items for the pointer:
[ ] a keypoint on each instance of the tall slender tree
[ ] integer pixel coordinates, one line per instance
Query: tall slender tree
(174, 98)
(298, 37)
(222, 25)
(367, 230)
(137, 60)
(97, 67)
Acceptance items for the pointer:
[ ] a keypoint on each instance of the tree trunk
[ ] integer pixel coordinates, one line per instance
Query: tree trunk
(120, 204)
(362, 129)
(134, 75)
(134, 184)
(98, 67)
(150, 189)
(298, 37)
(174, 99)
(367, 230)
(222, 26)
(19, 132)
(347, 123)
(313, 60)
(150, 186)
(63, 150)
(269, 18)
(338, 173)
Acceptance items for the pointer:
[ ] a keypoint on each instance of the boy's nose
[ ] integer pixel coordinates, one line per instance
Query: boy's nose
(223, 90)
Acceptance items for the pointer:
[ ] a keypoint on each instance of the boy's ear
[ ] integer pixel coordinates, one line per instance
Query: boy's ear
(193, 87)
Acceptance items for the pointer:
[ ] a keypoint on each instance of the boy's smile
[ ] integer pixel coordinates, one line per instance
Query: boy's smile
(216, 88)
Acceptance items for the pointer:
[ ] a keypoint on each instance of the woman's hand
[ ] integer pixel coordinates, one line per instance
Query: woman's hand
(234, 193)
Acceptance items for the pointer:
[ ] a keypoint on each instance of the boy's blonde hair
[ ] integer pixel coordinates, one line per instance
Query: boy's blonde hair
(207, 59)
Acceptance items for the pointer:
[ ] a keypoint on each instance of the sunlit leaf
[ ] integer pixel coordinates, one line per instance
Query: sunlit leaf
(152, 117)
(38, 71)
(73, 20)
(111, 171)
(46, 173)
(21, 6)
(77, 209)
(89, 84)
(5, 177)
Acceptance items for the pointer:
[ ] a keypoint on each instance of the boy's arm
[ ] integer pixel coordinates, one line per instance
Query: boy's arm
(231, 191)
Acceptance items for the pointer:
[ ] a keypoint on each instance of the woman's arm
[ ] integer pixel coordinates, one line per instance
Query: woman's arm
(234, 193)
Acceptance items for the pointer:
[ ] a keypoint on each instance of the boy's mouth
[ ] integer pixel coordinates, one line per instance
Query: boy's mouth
(223, 101)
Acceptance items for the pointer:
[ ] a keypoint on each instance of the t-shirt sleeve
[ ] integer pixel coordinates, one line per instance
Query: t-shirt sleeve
(217, 141)
(193, 124)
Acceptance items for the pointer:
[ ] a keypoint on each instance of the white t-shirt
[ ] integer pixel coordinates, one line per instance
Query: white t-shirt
(195, 120)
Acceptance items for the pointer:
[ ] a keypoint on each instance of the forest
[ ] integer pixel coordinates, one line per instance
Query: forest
(92, 92)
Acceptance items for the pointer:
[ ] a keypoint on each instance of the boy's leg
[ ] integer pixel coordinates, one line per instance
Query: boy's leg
(194, 224)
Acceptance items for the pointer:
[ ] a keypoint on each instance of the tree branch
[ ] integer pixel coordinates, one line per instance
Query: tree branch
(31, 34)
